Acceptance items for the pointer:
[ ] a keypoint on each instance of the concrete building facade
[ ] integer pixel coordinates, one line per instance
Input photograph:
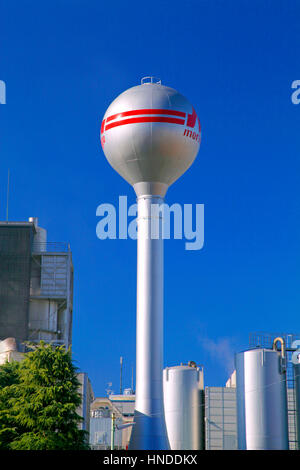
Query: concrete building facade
(86, 392)
(16, 240)
(36, 285)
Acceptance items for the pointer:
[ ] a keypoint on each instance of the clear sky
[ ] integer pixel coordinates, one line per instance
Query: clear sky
(63, 63)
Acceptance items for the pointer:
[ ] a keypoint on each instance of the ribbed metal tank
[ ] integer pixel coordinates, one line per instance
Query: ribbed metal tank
(297, 400)
(261, 400)
(183, 404)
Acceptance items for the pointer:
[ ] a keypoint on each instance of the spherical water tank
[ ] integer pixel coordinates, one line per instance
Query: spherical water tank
(183, 404)
(261, 400)
(150, 134)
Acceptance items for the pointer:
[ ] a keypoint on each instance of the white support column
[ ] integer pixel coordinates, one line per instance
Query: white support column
(149, 432)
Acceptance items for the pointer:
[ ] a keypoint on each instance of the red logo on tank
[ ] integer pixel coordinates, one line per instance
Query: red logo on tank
(191, 122)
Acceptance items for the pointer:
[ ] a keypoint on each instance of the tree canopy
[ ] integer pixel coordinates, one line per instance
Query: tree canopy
(38, 401)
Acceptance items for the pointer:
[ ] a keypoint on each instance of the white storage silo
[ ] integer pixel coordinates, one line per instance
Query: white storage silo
(261, 400)
(183, 404)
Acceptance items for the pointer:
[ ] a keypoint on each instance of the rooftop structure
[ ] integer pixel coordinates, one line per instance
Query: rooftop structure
(121, 407)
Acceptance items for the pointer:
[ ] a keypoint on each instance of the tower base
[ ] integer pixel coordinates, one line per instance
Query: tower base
(148, 433)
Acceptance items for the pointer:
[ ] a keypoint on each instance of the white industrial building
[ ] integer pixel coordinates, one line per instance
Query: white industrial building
(266, 390)
(220, 418)
(102, 410)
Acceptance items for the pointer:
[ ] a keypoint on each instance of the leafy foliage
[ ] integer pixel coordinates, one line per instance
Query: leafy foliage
(38, 402)
(9, 376)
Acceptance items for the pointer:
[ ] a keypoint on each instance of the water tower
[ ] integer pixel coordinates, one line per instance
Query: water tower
(150, 135)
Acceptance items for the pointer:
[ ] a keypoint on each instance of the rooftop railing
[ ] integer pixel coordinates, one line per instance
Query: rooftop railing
(51, 247)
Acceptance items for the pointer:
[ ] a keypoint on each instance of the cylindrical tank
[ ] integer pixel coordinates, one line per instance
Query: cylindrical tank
(40, 237)
(296, 367)
(183, 403)
(261, 400)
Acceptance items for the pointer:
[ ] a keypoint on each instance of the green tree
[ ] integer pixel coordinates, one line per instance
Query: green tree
(43, 400)
(9, 375)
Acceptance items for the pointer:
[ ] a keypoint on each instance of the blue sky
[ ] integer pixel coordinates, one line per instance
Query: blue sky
(63, 63)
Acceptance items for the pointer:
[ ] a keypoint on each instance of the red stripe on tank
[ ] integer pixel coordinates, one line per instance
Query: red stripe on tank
(144, 119)
(138, 112)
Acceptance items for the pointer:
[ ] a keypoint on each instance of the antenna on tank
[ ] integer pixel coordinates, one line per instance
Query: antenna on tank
(145, 80)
